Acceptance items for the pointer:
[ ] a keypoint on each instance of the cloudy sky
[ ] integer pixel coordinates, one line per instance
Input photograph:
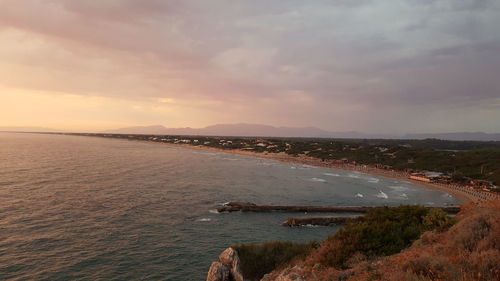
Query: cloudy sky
(372, 66)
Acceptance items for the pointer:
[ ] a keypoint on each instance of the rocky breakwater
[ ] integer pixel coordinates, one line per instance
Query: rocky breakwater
(251, 207)
(227, 268)
(323, 221)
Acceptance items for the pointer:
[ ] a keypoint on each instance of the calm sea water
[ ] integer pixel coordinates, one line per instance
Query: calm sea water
(83, 208)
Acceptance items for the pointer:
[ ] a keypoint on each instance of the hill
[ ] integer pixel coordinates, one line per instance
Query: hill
(253, 130)
(364, 250)
(240, 129)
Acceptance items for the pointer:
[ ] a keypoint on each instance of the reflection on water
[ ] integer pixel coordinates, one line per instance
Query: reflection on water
(85, 208)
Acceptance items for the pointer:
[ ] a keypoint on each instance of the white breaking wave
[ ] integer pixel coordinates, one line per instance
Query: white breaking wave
(403, 196)
(318, 180)
(204, 153)
(359, 195)
(230, 159)
(381, 194)
(204, 219)
(331, 174)
(311, 225)
(373, 180)
(213, 211)
(398, 187)
(353, 176)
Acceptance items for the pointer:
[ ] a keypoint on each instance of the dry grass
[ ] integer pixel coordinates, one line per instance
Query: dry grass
(468, 251)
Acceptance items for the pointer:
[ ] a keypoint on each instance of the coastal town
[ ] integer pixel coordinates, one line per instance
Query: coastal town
(408, 160)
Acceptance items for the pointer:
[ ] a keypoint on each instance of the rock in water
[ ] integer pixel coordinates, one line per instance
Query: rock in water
(227, 268)
(219, 272)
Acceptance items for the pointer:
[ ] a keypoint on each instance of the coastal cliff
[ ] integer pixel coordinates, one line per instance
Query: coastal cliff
(400, 243)
(467, 251)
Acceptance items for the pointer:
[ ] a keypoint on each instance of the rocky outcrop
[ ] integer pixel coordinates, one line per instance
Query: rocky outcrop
(227, 268)
(219, 272)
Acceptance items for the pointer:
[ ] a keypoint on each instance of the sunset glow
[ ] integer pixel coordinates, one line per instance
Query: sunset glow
(371, 66)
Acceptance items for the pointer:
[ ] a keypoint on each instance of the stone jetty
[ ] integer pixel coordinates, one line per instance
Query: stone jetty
(251, 207)
(323, 220)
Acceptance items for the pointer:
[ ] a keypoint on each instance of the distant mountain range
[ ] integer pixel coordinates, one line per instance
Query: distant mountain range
(228, 130)
(249, 130)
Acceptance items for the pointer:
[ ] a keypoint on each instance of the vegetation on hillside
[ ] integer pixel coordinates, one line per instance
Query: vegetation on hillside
(467, 251)
(259, 259)
(383, 231)
(475, 164)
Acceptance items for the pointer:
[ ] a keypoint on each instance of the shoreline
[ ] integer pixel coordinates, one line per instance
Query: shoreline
(304, 160)
(463, 193)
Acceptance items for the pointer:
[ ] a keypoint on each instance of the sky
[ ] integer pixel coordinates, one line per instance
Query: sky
(387, 66)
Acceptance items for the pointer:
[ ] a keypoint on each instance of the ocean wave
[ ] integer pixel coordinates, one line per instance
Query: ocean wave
(205, 153)
(318, 180)
(381, 194)
(403, 196)
(359, 195)
(331, 174)
(229, 159)
(214, 211)
(398, 187)
(204, 220)
(373, 180)
(354, 176)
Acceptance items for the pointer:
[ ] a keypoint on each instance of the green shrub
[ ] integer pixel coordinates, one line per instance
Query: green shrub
(383, 231)
(259, 259)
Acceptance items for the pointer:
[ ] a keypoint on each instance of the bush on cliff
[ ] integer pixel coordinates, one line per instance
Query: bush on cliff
(468, 251)
(259, 259)
(383, 231)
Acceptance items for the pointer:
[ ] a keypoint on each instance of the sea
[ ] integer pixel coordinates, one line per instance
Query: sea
(90, 208)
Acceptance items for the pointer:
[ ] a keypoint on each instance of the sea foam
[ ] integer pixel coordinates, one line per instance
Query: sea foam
(331, 174)
(403, 196)
(381, 194)
(318, 180)
(398, 187)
